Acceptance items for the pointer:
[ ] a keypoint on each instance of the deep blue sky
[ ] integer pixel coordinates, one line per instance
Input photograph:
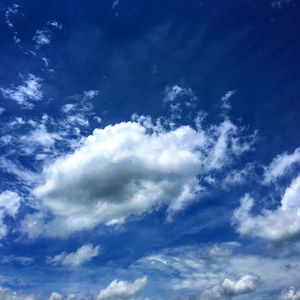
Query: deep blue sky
(113, 59)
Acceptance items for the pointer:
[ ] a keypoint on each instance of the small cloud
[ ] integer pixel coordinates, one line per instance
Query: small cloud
(75, 259)
(55, 24)
(42, 37)
(115, 4)
(226, 105)
(122, 289)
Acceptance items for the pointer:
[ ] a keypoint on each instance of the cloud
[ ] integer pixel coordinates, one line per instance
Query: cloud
(225, 100)
(9, 206)
(290, 294)
(229, 289)
(30, 90)
(277, 225)
(129, 169)
(280, 166)
(7, 294)
(55, 24)
(246, 284)
(76, 259)
(176, 91)
(56, 296)
(122, 290)
(42, 37)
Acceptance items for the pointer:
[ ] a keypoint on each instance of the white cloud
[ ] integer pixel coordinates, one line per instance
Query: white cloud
(175, 91)
(9, 206)
(56, 296)
(88, 95)
(226, 99)
(13, 10)
(55, 24)
(280, 224)
(30, 90)
(7, 294)
(42, 37)
(246, 284)
(2, 110)
(130, 169)
(290, 294)
(122, 290)
(76, 259)
(280, 165)
(10, 203)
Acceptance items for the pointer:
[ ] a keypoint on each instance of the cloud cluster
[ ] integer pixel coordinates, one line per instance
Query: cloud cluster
(76, 259)
(276, 225)
(129, 169)
(122, 290)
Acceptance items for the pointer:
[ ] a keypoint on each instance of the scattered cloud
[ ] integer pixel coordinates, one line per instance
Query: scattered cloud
(30, 90)
(76, 259)
(122, 290)
(280, 224)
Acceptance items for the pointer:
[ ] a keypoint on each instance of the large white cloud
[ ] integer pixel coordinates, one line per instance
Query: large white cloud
(75, 259)
(122, 290)
(244, 285)
(280, 224)
(130, 168)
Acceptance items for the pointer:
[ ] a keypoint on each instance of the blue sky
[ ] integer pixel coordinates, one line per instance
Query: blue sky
(149, 150)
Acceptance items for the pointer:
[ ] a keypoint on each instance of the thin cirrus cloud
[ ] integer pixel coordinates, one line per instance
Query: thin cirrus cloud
(77, 258)
(26, 93)
(129, 169)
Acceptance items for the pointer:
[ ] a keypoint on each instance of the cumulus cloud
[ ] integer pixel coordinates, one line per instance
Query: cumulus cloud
(30, 90)
(280, 224)
(56, 296)
(290, 294)
(122, 290)
(76, 259)
(280, 165)
(128, 169)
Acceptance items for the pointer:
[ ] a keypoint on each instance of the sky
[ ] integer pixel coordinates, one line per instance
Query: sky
(149, 150)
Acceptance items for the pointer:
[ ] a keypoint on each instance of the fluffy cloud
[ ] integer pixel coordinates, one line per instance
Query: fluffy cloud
(280, 224)
(280, 165)
(42, 37)
(30, 90)
(121, 290)
(75, 259)
(290, 294)
(128, 169)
